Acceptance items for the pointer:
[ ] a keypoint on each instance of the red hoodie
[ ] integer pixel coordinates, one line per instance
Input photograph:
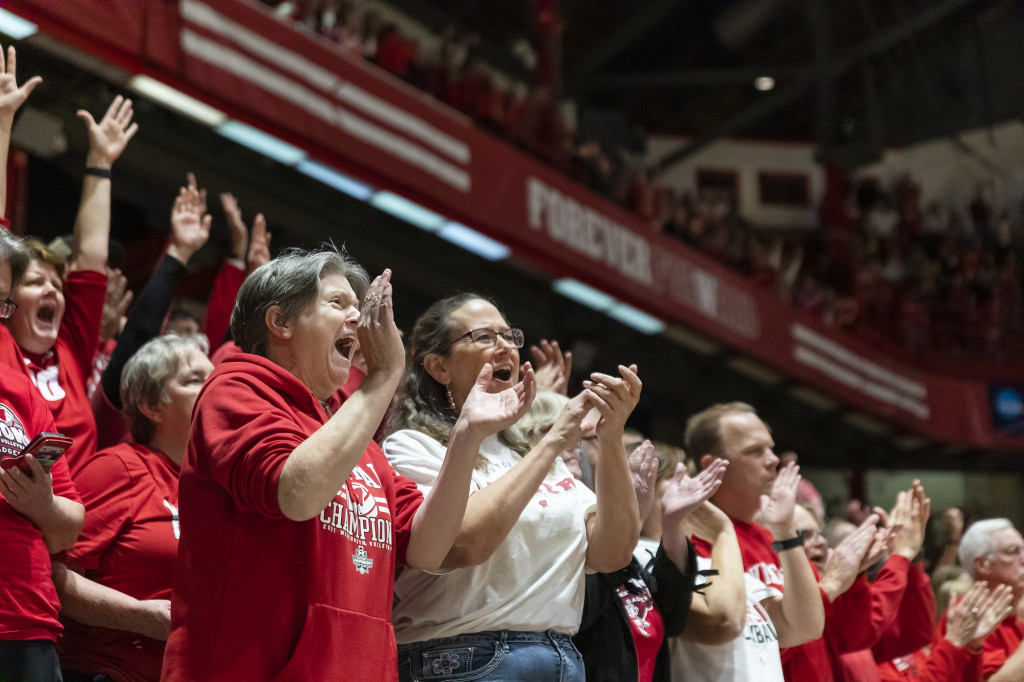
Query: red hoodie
(256, 595)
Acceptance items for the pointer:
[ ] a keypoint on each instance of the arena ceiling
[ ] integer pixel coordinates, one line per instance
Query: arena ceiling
(682, 373)
(854, 76)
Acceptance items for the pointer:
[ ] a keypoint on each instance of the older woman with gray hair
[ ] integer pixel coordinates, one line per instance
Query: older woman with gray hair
(115, 590)
(292, 520)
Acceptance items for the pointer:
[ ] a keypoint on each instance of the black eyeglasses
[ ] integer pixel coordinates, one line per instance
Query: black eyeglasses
(7, 309)
(487, 338)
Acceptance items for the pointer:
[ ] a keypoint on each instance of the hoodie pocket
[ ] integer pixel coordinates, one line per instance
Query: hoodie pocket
(339, 644)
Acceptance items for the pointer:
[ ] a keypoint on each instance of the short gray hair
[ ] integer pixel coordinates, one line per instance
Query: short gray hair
(291, 281)
(978, 542)
(14, 253)
(144, 376)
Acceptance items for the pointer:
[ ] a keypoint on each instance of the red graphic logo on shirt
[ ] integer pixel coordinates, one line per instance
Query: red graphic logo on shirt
(12, 432)
(564, 486)
(638, 604)
(360, 512)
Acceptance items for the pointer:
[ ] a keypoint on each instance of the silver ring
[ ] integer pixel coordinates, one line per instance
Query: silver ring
(975, 612)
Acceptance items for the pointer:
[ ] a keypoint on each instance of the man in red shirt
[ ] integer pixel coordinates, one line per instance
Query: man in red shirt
(734, 432)
(993, 551)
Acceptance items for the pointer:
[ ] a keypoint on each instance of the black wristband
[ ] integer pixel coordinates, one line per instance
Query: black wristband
(98, 172)
(791, 543)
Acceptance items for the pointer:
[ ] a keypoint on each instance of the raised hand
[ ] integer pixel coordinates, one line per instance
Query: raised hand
(190, 180)
(553, 366)
(906, 516)
(777, 507)
(236, 226)
(190, 225)
(614, 399)
(379, 340)
(487, 413)
(565, 433)
(11, 95)
(643, 470)
(707, 521)
(684, 494)
(115, 305)
(109, 137)
(955, 523)
(844, 563)
(994, 609)
(259, 244)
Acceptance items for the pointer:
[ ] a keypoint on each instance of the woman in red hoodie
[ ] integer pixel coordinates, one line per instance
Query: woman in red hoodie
(292, 520)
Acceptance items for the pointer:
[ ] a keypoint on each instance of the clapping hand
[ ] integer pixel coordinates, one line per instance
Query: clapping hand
(614, 399)
(777, 507)
(845, 562)
(684, 494)
(553, 366)
(379, 339)
(643, 469)
(488, 413)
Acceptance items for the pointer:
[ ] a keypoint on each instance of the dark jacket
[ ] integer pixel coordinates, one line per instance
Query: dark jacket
(605, 638)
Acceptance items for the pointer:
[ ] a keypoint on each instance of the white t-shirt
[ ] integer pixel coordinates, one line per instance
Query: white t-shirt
(754, 655)
(534, 581)
(645, 550)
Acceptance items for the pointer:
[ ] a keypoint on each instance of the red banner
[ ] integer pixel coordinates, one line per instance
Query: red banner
(354, 116)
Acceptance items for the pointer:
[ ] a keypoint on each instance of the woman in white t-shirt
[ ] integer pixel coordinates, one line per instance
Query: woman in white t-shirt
(512, 593)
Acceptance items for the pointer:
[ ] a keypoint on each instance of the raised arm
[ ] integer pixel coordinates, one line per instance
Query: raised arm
(612, 532)
(31, 495)
(107, 140)
(91, 603)
(492, 511)
(439, 519)
(798, 615)
(718, 614)
(11, 98)
(190, 229)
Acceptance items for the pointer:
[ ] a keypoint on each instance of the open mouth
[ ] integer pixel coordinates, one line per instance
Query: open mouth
(503, 374)
(46, 314)
(345, 346)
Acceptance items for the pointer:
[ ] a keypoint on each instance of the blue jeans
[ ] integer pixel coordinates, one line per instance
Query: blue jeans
(498, 655)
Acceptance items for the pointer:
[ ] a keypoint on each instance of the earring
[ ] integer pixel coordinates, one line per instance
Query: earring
(451, 400)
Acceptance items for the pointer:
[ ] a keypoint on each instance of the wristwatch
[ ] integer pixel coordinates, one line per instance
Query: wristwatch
(783, 545)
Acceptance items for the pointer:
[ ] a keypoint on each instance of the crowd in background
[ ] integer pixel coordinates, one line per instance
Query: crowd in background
(923, 281)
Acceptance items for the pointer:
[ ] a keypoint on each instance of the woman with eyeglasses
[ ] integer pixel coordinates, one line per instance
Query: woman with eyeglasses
(510, 593)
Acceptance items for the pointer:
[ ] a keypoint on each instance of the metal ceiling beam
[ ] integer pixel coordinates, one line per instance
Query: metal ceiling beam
(622, 37)
(769, 105)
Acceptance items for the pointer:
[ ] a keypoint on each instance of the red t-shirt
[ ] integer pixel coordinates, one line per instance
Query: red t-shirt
(28, 599)
(256, 595)
(60, 374)
(129, 543)
(646, 626)
(848, 616)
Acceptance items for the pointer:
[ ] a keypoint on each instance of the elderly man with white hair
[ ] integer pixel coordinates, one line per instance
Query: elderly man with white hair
(993, 550)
